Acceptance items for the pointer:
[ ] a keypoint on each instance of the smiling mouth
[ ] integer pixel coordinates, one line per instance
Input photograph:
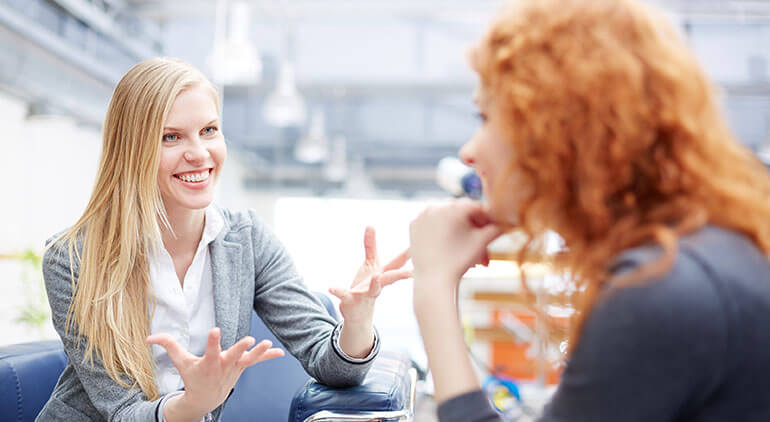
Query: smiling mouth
(194, 176)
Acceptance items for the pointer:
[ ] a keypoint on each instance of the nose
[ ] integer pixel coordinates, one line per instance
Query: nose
(196, 152)
(468, 152)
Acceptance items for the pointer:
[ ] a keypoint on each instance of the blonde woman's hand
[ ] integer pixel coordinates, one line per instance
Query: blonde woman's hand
(357, 302)
(209, 379)
(445, 241)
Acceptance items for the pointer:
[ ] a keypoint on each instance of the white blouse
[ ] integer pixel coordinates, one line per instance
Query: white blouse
(186, 313)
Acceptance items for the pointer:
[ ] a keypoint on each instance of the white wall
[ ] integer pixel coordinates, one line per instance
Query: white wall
(49, 167)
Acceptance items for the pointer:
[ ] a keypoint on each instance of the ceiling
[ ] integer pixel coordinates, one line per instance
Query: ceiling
(389, 74)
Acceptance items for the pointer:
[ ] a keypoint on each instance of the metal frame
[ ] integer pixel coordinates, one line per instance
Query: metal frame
(406, 414)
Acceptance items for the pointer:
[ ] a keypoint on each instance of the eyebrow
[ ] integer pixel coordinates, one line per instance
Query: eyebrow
(171, 128)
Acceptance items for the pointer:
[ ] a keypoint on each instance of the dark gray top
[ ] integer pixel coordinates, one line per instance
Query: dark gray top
(251, 271)
(693, 346)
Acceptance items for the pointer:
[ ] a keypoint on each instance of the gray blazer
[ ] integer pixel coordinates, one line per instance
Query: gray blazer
(251, 270)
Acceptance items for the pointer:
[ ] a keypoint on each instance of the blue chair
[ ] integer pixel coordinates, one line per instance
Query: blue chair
(387, 394)
(28, 373)
(264, 392)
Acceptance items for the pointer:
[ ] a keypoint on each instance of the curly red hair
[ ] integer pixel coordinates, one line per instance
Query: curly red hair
(619, 133)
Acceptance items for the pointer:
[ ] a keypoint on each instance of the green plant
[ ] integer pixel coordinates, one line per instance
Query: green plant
(34, 312)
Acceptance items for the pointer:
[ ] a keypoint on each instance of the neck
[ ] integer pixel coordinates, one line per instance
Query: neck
(187, 226)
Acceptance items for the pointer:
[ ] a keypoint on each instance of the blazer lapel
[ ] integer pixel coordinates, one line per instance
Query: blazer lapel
(225, 273)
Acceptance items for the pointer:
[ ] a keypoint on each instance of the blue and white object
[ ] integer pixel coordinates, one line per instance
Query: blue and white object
(458, 179)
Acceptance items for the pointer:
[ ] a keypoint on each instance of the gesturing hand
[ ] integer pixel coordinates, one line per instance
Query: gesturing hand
(357, 303)
(209, 379)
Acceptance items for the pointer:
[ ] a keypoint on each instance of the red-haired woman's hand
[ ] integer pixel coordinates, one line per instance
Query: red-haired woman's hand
(445, 241)
(209, 379)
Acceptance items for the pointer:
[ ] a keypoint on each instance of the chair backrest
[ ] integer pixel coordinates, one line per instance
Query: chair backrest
(29, 372)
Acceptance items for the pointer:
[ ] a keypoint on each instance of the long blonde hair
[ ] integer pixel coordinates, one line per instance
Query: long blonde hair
(619, 134)
(112, 298)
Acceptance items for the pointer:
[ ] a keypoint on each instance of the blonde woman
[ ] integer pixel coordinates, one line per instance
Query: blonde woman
(152, 289)
(598, 123)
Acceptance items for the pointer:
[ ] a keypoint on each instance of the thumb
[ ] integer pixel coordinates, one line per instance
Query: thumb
(175, 351)
(341, 294)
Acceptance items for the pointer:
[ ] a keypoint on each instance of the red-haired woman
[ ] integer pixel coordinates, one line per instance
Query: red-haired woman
(599, 124)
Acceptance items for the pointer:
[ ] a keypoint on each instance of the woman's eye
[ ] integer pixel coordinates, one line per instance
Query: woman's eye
(211, 130)
(170, 137)
(481, 116)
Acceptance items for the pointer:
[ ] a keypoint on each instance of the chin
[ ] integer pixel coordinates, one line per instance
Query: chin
(197, 204)
(190, 203)
(502, 214)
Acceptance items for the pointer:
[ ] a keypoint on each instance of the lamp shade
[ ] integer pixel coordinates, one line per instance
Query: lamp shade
(313, 147)
(284, 107)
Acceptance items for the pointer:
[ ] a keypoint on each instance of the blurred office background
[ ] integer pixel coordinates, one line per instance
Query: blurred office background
(336, 114)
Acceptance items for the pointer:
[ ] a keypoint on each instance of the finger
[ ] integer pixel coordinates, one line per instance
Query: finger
(391, 277)
(375, 287)
(251, 359)
(398, 261)
(370, 245)
(342, 294)
(255, 353)
(478, 216)
(258, 350)
(179, 356)
(466, 204)
(213, 346)
(489, 233)
(231, 355)
(484, 259)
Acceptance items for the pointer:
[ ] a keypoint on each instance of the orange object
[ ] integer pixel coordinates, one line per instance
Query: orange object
(509, 358)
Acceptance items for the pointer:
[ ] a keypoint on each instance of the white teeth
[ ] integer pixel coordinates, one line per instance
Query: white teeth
(195, 177)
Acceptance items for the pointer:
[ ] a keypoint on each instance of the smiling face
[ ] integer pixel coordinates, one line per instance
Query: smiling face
(491, 154)
(192, 153)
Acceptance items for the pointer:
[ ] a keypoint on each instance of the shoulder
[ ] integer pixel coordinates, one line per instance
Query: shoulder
(710, 262)
(243, 219)
(688, 289)
(61, 268)
(657, 316)
(245, 226)
(60, 253)
(694, 302)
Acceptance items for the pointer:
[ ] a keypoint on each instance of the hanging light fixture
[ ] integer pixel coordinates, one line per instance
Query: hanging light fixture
(285, 107)
(313, 147)
(336, 168)
(234, 59)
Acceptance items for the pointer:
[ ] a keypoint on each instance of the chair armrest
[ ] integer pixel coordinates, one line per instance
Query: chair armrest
(387, 393)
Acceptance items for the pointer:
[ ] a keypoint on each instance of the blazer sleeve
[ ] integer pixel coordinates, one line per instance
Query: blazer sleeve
(113, 402)
(297, 318)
